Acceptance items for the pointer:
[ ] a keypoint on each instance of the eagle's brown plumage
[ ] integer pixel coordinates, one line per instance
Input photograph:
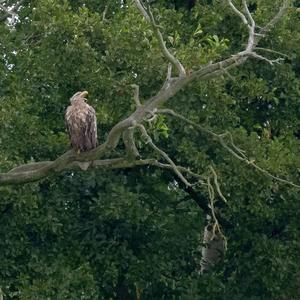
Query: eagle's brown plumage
(81, 123)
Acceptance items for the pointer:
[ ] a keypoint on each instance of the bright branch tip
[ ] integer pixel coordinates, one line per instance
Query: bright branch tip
(254, 37)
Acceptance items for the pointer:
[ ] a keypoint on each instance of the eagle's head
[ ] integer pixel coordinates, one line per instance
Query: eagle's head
(79, 97)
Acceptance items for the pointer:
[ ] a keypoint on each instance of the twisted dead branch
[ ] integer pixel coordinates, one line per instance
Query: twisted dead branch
(69, 160)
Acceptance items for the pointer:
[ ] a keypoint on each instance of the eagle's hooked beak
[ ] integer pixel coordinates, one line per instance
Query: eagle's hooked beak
(84, 94)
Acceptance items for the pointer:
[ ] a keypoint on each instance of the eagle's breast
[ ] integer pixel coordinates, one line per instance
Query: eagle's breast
(82, 125)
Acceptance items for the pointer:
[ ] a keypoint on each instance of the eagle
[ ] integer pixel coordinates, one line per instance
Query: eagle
(81, 123)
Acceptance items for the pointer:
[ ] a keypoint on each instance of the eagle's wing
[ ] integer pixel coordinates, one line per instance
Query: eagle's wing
(67, 117)
(75, 123)
(91, 123)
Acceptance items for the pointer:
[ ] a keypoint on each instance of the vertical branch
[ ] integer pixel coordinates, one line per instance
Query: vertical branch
(128, 139)
(136, 95)
(147, 13)
(214, 241)
(237, 12)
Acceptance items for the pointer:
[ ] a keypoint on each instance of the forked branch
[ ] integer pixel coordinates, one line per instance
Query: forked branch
(227, 145)
(34, 172)
(147, 13)
(162, 153)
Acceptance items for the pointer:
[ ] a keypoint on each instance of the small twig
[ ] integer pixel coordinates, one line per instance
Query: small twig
(226, 71)
(239, 150)
(162, 153)
(270, 61)
(271, 51)
(183, 170)
(251, 163)
(170, 57)
(235, 151)
(171, 112)
(277, 17)
(216, 226)
(104, 13)
(217, 186)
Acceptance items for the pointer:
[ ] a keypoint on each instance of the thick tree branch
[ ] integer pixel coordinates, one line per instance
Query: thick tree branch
(128, 139)
(173, 86)
(29, 172)
(136, 95)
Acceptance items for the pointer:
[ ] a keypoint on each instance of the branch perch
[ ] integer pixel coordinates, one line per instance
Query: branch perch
(34, 172)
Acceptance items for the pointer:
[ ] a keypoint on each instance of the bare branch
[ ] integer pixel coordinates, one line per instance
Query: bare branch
(270, 61)
(169, 72)
(136, 95)
(234, 150)
(216, 226)
(142, 10)
(274, 21)
(162, 153)
(255, 37)
(104, 13)
(200, 179)
(30, 167)
(214, 241)
(237, 12)
(248, 14)
(217, 186)
(170, 57)
(128, 139)
(31, 173)
(272, 51)
(168, 80)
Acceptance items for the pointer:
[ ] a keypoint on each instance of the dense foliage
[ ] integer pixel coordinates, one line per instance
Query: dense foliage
(136, 234)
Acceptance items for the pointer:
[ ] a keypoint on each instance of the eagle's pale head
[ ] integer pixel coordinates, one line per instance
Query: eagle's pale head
(78, 97)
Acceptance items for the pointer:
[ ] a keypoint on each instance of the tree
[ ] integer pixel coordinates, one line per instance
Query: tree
(107, 234)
